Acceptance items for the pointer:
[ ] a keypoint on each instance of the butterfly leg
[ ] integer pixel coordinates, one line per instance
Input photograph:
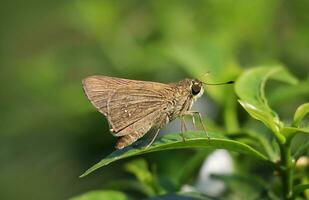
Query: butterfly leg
(154, 138)
(164, 120)
(183, 129)
(201, 121)
(193, 122)
(193, 113)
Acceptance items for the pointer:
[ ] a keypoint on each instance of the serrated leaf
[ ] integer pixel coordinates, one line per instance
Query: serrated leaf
(300, 113)
(197, 139)
(101, 194)
(250, 88)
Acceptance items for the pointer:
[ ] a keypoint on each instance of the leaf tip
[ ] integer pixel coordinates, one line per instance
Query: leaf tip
(86, 173)
(83, 175)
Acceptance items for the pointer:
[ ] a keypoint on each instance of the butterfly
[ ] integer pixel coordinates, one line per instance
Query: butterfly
(133, 107)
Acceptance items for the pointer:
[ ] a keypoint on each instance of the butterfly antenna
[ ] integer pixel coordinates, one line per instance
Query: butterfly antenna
(225, 83)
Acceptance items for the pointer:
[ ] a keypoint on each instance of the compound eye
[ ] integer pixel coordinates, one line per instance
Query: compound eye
(195, 89)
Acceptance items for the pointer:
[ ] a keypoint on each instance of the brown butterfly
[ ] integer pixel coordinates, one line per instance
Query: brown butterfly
(134, 107)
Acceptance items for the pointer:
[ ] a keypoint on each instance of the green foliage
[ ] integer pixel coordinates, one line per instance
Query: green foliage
(300, 113)
(300, 188)
(140, 169)
(175, 141)
(101, 194)
(250, 88)
(49, 133)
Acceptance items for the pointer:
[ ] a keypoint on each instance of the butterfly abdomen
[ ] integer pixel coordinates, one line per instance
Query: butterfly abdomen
(128, 139)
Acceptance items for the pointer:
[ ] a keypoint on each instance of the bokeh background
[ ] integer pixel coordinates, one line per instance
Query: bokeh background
(49, 132)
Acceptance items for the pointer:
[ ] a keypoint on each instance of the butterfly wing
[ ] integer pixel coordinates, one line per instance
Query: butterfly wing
(128, 104)
(99, 88)
(136, 130)
(133, 111)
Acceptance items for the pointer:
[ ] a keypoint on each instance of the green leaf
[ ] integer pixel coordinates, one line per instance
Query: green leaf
(140, 169)
(183, 196)
(264, 141)
(250, 88)
(101, 194)
(289, 132)
(196, 139)
(300, 188)
(300, 113)
(131, 185)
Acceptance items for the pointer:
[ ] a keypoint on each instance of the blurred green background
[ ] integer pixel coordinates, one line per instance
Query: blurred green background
(49, 132)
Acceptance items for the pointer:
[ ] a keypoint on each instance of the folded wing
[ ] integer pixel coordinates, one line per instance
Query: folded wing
(128, 104)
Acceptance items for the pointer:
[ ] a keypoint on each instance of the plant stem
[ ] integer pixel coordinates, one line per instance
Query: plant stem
(286, 168)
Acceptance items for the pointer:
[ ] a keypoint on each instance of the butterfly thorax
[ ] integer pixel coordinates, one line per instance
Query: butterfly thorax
(182, 98)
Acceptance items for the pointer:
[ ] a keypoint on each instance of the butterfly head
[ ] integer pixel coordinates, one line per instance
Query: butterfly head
(196, 88)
